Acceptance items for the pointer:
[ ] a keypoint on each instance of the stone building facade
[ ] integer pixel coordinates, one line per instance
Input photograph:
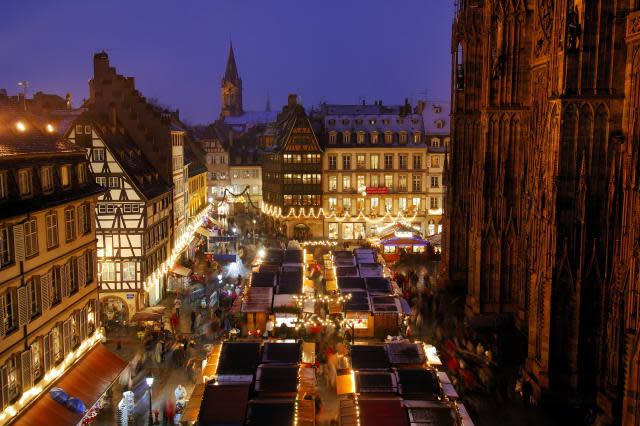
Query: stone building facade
(542, 197)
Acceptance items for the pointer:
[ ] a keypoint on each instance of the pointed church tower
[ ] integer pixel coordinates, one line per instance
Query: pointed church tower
(231, 88)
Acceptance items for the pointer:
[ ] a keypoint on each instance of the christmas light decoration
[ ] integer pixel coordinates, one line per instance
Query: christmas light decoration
(276, 213)
(53, 374)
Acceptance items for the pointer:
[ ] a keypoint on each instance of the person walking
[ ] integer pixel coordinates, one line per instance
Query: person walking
(177, 304)
(193, 319)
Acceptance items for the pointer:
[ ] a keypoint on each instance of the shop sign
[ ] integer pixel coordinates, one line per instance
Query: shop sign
(377, 190)
(130, 296)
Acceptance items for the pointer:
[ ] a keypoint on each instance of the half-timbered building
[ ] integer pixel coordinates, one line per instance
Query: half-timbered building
(292, 174)
(133, 217)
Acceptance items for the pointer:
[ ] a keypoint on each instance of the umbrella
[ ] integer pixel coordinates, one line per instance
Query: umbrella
(76, 405)
(59, 395)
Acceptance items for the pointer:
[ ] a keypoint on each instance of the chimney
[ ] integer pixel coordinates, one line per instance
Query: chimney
(100, 65)
(420, 106)
(292, 99)
(113, 117)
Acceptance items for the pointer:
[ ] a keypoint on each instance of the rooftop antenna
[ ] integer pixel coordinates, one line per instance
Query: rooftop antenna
(25, 85)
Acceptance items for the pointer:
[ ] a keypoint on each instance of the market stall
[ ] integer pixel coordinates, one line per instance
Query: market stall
(257, 305)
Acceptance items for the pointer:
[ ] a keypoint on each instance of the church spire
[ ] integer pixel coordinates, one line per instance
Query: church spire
(231, 73)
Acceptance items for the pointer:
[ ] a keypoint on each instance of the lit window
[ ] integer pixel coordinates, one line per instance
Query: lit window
(98, 154)
(333, 137)
(346, 137)
(24, 181)
(51, 222)
(79, 129)
(333, 183)
(332, 203)
(108, 271)
(64, 174)
(87, 129)
(402, 204)
(388, 138)
(360, 138)
(333, 231)
(347, 231)
(114, 182)
(375, 161)
(4, 189)
(435, 142)
(47, 179)
(346, 183)
(128, 271)
(374, 137)
(374, 204)
(346, 204)
(417, 137)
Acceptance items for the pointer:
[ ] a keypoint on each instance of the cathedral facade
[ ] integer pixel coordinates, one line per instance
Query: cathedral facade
(542, 206)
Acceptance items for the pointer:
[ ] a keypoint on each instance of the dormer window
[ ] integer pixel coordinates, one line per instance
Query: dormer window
(47, 179)
(374, 138)
(358, 121)
(435, 143)
(437, 109)
(346, 137)
(388, 138)
(360, 138)
(333, 136)
(79, 129)
(400, 121)
(332, 122)
(345, 121)
(372, 122)
(417, 137)
(414, 121)
(403, 138)
(65, 177)
(87, 129)
(439, 124)
(82, 173)
(385, 121)
(24, 182)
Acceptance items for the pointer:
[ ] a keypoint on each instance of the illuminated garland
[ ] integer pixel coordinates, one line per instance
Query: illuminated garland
(52, 375)
(244, 191)
(181, 244)
(319, 243)
(327, 298)
(276, 213)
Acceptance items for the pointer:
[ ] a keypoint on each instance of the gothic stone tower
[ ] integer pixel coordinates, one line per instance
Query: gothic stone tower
(543, 199)
(231, 88)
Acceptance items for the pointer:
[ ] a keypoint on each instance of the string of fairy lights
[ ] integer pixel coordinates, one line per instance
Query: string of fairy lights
(276, 213)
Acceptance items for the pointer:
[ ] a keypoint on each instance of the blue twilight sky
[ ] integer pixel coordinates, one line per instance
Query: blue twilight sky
(333, 50)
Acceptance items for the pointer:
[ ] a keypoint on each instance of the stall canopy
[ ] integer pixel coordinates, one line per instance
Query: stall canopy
(383, 412)
(270, 412)
(224, 404)
(376, 382)
(263, 279)
(378, 285)
(349, 284)
(403, 353)
(180, 270)
(87, 380)
(420, 383)
(369, 357)
(281, 352)
(277, 379)
(359, 302)
(238, 358)
(205, 232)
(431, 413)
(192, 409)
(258, 299)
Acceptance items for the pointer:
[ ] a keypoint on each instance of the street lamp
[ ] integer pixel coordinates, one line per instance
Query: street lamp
(254, 231)
(150, 383)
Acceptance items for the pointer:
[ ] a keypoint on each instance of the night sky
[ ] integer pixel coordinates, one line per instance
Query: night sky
(338, 51)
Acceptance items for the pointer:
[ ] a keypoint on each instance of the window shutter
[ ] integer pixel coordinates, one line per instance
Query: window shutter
(81, 220)
(64, 278)
(46, 350)
(23, 308)
(25, 365)
(2, 330)
(30, 291)
(45, 290)
(18, 242)
(81, 270)
(4, 387)
(66, 336)
(83, 324)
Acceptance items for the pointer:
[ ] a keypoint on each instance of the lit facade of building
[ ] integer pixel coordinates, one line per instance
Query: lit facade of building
(48, 276)
(379, 167)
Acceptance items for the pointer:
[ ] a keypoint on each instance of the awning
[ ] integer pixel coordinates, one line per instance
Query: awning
(406, 309)
(180, 270)
(88, 380)
(346, 384)
(192, 409)
(204, 231)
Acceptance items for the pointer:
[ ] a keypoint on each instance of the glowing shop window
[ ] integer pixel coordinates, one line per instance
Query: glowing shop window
(360, 320)
(333, 231)
(432, 227)
(418, 249)
(285, 318)
(347, 231)
(389, 249)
